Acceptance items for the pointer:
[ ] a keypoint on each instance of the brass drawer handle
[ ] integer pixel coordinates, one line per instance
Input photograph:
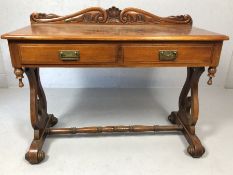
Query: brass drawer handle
(167, 55)
(69, 55)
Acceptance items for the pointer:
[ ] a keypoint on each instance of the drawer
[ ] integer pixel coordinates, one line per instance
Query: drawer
(51, 54)
(184, 54)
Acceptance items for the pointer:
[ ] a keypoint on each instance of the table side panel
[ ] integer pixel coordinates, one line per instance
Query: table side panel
(14, 54)
(216, 54)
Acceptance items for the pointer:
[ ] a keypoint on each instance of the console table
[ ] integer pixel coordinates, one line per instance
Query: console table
(95, 37)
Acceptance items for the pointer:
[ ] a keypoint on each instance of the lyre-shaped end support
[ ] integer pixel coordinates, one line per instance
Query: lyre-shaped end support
(19, 75)
(211, 74)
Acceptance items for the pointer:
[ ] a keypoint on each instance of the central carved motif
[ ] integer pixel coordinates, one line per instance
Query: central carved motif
(113, 15)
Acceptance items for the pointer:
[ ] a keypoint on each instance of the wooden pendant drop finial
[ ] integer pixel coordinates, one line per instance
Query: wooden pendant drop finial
(211, 74)
(19, 75)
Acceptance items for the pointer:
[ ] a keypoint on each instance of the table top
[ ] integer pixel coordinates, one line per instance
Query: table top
(96, 37)
(113, 33)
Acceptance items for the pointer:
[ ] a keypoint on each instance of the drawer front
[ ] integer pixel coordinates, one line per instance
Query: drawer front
(172, 54)
(62, 54)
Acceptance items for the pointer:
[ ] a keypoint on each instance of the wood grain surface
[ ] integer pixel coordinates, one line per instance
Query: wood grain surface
(113, 33)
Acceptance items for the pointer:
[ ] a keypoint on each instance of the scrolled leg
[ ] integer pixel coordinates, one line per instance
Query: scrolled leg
(40, 119)
(187, 115)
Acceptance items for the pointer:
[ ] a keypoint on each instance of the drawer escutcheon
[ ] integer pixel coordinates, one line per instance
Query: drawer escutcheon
(69, 55)
(167, 55)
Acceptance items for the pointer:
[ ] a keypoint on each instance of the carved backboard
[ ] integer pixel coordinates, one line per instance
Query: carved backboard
(113, 15)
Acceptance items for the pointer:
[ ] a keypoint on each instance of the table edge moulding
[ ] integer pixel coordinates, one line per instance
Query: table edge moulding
(96, 37)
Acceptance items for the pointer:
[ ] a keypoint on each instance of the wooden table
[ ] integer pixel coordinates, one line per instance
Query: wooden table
(95, 37)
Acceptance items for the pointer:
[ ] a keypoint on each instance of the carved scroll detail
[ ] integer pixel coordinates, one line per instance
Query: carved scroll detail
(134, 15)
(113, 15)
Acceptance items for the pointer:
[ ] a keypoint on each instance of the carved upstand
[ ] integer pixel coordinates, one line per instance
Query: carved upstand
(95, 37)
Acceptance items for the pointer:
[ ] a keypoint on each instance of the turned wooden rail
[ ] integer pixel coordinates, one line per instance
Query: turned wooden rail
(112, 129)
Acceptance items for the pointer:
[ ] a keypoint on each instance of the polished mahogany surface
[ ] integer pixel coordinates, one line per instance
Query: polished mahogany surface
(114, 33)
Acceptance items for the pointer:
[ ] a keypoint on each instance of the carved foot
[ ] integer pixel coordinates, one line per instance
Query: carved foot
(35, 154)
(196, 151)
(195, 148)
(172, 117)
(53, 120)
(35, 157)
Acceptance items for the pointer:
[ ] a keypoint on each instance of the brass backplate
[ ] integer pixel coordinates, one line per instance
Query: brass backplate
(167, 55)
(69, 55)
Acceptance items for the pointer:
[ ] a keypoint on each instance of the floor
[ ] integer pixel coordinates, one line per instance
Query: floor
(145, 154)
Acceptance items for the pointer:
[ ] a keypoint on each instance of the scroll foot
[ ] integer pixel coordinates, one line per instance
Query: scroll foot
(195, 148)
(53, 120)
(172, 117)
(35, 154)
(35, 157)
(196, 151)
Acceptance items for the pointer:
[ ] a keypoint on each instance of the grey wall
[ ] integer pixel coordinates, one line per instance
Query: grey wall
(229, 80)
(3, 75)
(214, 15)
